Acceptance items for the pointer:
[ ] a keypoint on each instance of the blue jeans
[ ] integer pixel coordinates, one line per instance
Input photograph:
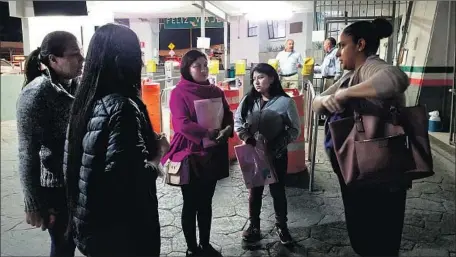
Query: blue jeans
(60, 245)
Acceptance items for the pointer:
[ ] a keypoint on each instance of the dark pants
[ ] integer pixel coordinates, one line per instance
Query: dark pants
(60, 245)
(197, 196)
(374, 217)
(277, 192)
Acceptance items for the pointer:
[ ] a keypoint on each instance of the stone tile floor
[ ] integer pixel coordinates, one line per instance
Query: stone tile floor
(316, 219)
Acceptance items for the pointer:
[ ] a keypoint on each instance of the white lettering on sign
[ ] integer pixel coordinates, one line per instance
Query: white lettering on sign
(179, 20)
(185, 20)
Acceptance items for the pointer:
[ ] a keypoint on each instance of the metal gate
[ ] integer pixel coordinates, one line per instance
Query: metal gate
(334, 16)
(453, 105)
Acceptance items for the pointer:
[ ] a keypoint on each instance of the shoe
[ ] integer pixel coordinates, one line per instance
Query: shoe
(252, 234)
(193, 253)
(209, 250)
(284, 235)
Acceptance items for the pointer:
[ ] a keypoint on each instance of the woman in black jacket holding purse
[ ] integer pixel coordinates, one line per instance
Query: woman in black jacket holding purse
(112, 153)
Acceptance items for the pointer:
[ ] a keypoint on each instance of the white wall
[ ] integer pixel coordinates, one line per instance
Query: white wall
(255, 49)
(442, 49)
(147, 32)
(419, 32)
(34, 29)
(303, 40)
(242, 46)
(418, 42)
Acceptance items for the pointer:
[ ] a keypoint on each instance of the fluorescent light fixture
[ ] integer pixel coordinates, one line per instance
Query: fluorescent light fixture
(211, 8)
(273, 10)
(215, 11)
(140, 6)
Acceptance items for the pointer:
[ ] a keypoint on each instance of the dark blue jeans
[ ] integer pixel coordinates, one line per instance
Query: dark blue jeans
(60, 245)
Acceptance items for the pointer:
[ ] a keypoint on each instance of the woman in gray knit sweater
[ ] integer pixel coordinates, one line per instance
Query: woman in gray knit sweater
(43, 111)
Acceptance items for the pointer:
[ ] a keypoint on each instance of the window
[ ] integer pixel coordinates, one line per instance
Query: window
(296, 27)
(252, 29)
(277, 29)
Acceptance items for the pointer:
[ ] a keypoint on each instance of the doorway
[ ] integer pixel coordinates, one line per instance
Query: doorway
(335, 25)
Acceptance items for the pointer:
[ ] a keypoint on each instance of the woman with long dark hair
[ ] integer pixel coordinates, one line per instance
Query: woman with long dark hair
(203, 166)
(268, 114)
(43, 110)
(374, 213)
(110, 152)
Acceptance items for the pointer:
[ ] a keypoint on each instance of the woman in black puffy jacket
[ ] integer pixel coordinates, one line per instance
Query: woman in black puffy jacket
(111, 153)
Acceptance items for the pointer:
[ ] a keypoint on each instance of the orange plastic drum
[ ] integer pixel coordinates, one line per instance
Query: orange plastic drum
(151, 97)
(296, 150)
(232, 97)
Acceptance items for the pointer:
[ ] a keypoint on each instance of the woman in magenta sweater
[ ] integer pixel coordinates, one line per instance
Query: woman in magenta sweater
(203, 166)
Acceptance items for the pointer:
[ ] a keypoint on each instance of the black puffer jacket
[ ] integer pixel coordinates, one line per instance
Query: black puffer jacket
(116, 209)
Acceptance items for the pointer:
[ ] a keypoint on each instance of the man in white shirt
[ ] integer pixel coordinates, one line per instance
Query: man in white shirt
(330, 68)
(289, 63)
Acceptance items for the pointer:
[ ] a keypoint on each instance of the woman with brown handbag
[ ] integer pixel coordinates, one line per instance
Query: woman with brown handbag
(374, 212)
(199, 167)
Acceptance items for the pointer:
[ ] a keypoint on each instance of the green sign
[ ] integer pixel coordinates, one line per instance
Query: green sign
(191, 23)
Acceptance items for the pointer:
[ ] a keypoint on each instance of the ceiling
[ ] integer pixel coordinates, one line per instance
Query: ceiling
(235, 8)
(170, 9)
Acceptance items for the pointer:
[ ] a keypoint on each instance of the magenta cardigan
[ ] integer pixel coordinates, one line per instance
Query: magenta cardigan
(188, 134)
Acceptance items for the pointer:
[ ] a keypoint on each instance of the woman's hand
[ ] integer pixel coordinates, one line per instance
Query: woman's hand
(341, 95)
(34, 218)
(251, 141)
(331, 104)
(224, 134)
(37, 220)
(163, 144)
(212, 134)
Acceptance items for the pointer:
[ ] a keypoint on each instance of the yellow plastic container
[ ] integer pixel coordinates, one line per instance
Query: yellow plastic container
(274, 63)
(151, 66)
(307, 68)
(240, 67)
(214, 67)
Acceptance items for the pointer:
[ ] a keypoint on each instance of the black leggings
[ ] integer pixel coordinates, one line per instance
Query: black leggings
(197, 197)
(374, 217)
(277, 190)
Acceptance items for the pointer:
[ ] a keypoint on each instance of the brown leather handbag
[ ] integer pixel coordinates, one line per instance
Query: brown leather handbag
(385, 147)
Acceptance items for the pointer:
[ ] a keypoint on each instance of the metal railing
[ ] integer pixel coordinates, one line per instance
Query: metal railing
(311, 120)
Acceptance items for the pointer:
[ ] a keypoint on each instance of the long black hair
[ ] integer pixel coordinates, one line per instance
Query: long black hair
(113, 65)
(54, 43)
(187, 60)
(371, 32)
(274, 90)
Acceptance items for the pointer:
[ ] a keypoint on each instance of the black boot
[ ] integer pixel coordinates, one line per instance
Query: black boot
(194, 252)
(252, 234)
(209, 250)
(284, 234)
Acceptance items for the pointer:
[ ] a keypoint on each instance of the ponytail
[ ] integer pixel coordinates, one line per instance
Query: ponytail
(32, 66)
(53, 43)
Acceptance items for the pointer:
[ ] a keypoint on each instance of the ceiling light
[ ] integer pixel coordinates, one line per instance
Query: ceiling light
(273, 10)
